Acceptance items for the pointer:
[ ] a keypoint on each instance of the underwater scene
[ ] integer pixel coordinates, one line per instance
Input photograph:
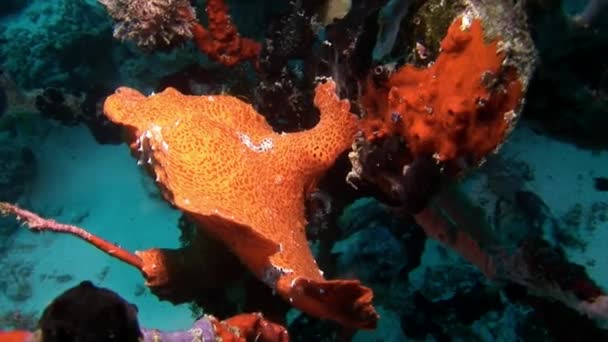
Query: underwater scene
(304, 170)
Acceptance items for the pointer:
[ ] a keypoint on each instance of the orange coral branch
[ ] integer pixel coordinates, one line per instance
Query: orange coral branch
(37, 223)
(222, 41)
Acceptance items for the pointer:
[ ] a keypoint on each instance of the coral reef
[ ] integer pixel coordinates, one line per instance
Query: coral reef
(53, 49)
(319, 155)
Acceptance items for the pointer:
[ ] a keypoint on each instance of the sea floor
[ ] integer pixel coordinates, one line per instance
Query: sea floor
(566, 175)
(101, 189)
(563, 178)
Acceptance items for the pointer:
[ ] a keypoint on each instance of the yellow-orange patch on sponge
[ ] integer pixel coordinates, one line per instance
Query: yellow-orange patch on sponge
(218, 160)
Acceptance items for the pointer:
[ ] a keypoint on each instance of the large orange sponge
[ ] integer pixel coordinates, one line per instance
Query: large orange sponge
(217, 159)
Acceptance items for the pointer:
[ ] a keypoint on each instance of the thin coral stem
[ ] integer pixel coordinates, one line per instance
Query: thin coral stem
(37, 223)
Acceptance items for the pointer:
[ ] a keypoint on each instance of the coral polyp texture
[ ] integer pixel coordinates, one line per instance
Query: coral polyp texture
(459, 108)
(216, 159)
(151, 24)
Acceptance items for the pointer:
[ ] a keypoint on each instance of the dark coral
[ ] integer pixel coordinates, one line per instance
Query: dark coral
(294, 57)
(290, 36)
(285, 100)
(53, 104)
(73, 49)
(195, 79)
(388, 174)
(102, 129)
(283, 94)
(347, 53)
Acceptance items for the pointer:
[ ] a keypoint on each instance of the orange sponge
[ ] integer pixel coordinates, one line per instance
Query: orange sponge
(217, 159)
(459, 108)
